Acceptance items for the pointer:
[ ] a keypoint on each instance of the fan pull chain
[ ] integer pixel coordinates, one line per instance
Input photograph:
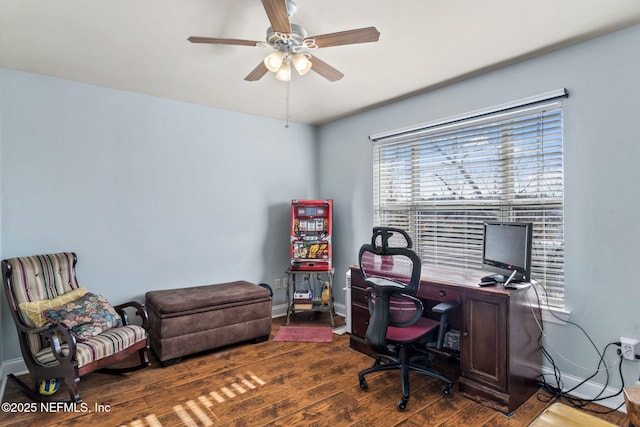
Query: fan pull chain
(287, 99)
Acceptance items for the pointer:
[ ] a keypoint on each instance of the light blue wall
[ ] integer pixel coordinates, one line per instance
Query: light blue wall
(602, 146)
(150, 193)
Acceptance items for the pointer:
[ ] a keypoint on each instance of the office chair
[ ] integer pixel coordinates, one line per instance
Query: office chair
(397, 331)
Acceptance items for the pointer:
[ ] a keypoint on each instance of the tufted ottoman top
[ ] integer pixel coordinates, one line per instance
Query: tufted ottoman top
(173, 302)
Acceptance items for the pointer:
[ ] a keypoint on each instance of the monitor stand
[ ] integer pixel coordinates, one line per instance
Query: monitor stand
(509, 284)
(506, 284)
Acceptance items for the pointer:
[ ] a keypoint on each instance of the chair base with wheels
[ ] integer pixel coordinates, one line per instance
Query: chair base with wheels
(406, 362)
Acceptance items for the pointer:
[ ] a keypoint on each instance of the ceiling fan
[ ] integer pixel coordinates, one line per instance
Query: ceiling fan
(291, 44)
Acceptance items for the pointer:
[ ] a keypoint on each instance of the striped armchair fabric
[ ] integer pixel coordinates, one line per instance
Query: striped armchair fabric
(41, 277)
(50, 350)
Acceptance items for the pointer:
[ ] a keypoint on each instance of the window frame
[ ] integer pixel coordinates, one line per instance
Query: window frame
(410, 207)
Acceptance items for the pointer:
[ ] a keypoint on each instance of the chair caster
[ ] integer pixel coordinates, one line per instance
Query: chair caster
(447, 391)
(402, 404)
(363, 384)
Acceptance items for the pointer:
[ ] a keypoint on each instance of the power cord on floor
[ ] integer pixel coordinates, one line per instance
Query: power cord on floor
(556, 391)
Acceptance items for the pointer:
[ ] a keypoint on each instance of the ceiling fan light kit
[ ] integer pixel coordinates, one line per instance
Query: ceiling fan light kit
(274, 60)
(301, 63)
(284, 72)
(289, 41)
(280, 63)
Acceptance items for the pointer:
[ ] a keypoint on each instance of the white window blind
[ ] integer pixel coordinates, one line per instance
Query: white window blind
(442, 182)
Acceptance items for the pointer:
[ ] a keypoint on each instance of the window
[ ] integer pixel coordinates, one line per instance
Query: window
(442, 181)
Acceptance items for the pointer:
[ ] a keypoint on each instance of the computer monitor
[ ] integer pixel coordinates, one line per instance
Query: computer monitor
(507, 249)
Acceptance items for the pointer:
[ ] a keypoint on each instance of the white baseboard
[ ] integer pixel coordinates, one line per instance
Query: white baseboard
(13, 366)
(340, 310)
(279, 310)
(588, 390)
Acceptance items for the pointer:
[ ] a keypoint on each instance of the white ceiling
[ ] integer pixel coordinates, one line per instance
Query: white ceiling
(141, 46)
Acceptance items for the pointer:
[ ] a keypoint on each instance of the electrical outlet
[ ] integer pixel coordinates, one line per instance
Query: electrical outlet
(285, 282)
(278, 284)
(628, 348)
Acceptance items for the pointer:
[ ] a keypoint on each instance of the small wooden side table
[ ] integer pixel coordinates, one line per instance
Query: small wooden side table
(558, 414)
(632, 401)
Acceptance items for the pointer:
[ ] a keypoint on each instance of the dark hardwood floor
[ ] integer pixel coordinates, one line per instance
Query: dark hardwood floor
(270, 383)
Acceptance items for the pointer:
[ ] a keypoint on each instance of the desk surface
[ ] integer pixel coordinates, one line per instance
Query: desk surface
(452, 276)
(457, 278)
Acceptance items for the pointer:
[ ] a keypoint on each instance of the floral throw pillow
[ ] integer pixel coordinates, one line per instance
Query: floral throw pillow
(86, 317)
(32, 311)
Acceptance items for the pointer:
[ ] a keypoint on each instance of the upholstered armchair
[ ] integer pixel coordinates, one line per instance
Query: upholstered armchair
(64, 331)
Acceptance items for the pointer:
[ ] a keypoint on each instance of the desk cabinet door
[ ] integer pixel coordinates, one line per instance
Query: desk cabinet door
(484, 339)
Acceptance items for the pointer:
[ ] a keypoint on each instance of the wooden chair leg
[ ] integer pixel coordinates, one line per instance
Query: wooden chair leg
(144, 356)
(72, 386)
(33, 394)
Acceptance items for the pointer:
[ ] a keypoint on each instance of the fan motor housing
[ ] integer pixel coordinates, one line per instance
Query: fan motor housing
(287, 41)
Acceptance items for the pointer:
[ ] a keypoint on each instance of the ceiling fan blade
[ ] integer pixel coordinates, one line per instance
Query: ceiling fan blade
(361, 35)
(257, 73)
(324, 69)
(214, 40)
(278, 15)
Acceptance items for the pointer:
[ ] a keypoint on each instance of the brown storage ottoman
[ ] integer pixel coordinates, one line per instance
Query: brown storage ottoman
(190, 320)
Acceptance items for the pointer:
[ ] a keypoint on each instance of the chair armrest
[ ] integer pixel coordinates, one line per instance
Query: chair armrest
(140, 311)
(394, 291)
(444, 307)
(57, 334)
(383, 287)
(54, 335)
(381, 282)
(419, 309)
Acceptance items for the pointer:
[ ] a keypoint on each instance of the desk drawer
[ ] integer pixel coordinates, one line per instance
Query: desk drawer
(359, 321)
(357, 279)
(359, 296)
(439, 293)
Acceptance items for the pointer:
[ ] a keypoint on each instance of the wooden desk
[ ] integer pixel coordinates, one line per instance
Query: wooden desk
(500, 357)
